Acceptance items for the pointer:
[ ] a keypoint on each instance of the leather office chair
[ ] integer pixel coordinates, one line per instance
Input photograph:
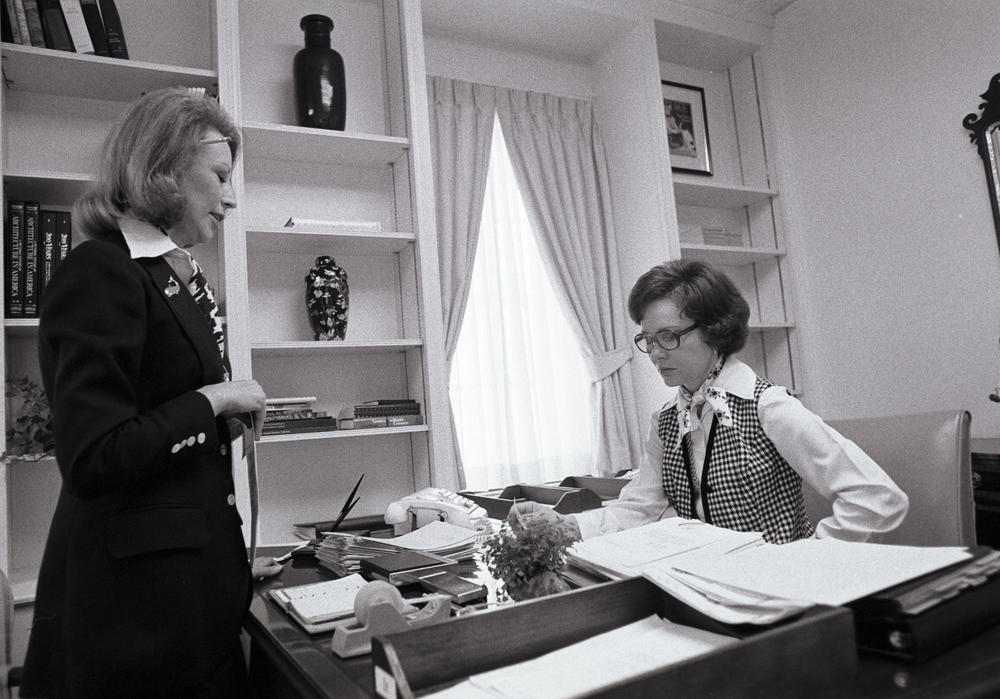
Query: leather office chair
(929, 457)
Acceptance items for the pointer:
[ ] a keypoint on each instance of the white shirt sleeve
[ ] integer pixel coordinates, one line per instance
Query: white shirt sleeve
(865, 500)
(641, 501)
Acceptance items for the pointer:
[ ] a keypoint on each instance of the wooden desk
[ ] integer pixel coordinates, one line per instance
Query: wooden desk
(287, 662)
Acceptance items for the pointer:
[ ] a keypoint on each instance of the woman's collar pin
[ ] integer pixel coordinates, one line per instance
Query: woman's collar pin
(173, 287)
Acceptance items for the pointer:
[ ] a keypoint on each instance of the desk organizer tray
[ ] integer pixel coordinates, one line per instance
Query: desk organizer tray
(812, 655)
(563, 500)
(604, 488)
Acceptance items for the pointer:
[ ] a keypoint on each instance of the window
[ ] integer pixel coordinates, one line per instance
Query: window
(519, 389)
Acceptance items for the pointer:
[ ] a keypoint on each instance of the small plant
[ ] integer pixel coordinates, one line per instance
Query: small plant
(528, 559)
(29, 419)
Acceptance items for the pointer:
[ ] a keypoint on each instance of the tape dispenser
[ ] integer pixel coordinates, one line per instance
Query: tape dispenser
(380, 608)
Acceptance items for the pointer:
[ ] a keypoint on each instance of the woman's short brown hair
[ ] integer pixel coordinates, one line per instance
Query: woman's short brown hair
(146, 154)
(703, 294)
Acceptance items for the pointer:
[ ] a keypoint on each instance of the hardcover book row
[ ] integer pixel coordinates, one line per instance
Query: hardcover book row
(82, 26)
(296, 415)
(36, 240)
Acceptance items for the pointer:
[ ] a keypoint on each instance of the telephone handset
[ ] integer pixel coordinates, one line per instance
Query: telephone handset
(431, 504)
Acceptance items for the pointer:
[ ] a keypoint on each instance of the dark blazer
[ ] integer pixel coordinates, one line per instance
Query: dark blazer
(145, 578)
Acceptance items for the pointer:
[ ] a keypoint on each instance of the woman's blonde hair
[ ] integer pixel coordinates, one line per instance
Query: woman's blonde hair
(145, 156)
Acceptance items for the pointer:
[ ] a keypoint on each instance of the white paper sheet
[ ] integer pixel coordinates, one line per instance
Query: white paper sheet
(826, 571)
(626, 552)
(593, 664)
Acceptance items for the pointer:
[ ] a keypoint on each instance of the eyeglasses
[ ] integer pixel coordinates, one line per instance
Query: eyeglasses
(665, 339)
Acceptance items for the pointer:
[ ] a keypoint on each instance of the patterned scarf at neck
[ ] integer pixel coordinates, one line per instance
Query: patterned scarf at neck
(706, 393)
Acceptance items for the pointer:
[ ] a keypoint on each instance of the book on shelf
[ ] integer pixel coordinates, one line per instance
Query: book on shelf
(46, 250)
(310, 424)
(6, 31)
(54, 27)
(10, 32)
(389, 401)
(411, 408)
(21, 22)
(31, 258)
(286, 401)
(367, 423)
(14, 260)
(303, 414)
(64, 235)
(117, 48)
(334, 225)
(76, 24)
(95, 27)
(32, 16)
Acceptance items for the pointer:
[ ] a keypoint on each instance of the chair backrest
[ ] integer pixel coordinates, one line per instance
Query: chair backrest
(929, 457)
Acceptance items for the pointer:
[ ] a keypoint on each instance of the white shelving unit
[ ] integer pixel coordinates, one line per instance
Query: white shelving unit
(57, 108)
(739, 196)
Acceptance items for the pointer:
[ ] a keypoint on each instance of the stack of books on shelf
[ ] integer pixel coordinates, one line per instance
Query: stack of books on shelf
(385, 412)
(81, 26)
(342, 552)
(36, 240)
(295, 415)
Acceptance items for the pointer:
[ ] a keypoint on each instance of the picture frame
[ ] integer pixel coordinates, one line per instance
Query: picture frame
(687, 127)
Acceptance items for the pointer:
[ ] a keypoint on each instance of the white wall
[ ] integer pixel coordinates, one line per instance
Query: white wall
(897, 269)
(466, 61)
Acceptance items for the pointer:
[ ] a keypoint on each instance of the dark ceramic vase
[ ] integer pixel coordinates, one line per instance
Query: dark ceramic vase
(320, 91)
(327, 299)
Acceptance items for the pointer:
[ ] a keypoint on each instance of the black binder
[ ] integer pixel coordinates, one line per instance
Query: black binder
(922, 618)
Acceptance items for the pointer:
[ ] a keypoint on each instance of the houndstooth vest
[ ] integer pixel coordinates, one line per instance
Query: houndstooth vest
(747, 485)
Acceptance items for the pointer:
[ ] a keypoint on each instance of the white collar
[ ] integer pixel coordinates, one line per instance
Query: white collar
(144, 239)
(736, 378)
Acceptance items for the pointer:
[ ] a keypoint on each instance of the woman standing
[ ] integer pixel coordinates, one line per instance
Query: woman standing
(145, 579)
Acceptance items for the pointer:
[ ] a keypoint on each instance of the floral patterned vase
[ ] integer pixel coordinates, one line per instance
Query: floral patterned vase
(327, 299)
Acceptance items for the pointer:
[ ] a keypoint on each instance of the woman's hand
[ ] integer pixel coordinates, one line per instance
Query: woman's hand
(235, 397)
(264, 567)
(524, 514)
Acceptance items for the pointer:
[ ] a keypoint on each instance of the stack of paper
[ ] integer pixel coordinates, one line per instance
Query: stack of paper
(824, 571)
(627, 553)
(736, 578)
(595, 664)
(342, 553)
(653, 551)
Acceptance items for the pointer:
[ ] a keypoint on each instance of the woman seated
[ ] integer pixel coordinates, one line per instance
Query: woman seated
(730, 448)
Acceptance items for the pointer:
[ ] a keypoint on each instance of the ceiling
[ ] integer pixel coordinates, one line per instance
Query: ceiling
(548, 29)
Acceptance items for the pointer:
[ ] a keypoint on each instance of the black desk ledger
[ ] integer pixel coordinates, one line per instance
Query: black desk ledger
(287, 662)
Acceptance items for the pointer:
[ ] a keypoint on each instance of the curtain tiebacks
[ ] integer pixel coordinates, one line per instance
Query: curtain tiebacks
(601, 366)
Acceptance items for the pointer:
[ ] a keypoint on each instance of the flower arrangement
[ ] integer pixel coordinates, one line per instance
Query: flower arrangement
(29, 419)
(528, 559)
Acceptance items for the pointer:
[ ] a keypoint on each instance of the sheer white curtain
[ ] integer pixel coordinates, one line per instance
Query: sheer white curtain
(519, 386)
(461, 124)
(558, 158)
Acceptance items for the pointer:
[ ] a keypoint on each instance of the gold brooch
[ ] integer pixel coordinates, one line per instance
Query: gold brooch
(173, 287)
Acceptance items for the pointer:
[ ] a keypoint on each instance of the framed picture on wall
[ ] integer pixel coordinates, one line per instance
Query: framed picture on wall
(687, 128)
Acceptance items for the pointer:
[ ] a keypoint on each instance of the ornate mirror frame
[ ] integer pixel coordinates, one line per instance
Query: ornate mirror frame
(985, 134)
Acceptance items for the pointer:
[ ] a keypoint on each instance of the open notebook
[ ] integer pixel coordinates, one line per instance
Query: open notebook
(318, 606)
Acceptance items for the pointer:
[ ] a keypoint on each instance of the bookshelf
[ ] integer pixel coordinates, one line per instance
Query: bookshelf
(739, 197)
(57, 108)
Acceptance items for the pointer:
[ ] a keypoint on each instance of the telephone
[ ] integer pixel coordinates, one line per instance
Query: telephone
(430, 504)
